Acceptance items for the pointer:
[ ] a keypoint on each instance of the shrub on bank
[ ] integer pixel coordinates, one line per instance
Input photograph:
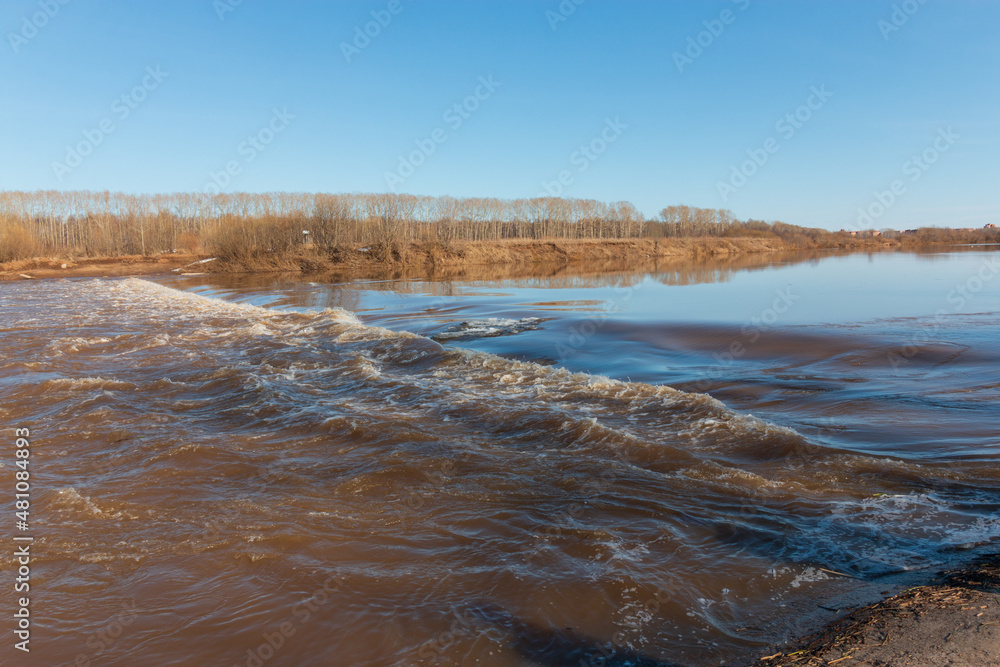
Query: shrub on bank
(17, 242)
(250, 241)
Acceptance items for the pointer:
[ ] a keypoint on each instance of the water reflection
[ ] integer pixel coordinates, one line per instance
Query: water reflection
(339, 289)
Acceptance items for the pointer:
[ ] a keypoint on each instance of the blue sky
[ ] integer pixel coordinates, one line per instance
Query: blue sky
(184, 85)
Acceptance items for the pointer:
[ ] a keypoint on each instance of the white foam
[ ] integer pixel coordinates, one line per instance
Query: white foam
(486, 328)
(88, 383)
(139, 290)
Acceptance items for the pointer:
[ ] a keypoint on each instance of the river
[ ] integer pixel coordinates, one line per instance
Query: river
(677, 463)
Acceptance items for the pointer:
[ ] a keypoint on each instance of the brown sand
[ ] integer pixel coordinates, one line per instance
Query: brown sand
(507, 252)
(953, 621)
(515, 252)
(466, 253)
(128, 265)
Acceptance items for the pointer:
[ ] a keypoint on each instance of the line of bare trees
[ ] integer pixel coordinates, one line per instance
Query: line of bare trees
(109, 224)
(241, 225)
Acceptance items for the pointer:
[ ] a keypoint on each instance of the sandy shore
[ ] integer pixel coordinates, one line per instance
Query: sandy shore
(401, 256)
(129, 265)
(953, 621)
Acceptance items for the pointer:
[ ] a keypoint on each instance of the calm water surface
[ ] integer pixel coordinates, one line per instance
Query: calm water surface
(675, 463)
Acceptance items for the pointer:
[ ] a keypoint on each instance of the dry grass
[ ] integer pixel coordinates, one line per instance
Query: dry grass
(17, 242)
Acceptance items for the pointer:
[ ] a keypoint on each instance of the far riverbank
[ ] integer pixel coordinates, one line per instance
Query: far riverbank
(308, 259)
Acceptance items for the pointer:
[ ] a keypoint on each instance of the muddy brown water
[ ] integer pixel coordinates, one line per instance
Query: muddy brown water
(678, 463)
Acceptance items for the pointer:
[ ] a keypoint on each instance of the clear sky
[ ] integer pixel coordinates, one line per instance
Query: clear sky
(183, 85)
